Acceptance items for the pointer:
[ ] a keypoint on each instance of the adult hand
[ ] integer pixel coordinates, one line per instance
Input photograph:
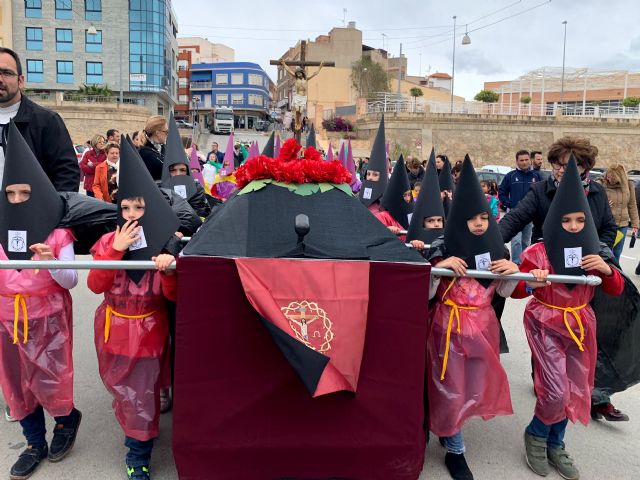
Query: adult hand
(394, 230)
(597, 263)
(163, 261)
(126, 236)
(541, 278)
(503, 267)
(635, 230)
(456, 264)
(42, 251)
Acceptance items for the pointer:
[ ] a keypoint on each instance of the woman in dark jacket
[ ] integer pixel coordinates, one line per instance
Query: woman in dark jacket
(152, 152)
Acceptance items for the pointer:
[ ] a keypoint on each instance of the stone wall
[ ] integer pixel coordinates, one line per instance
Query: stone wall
(84, 119)
(493, 139)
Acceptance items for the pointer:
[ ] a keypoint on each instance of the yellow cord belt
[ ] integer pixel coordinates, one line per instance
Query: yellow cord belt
(455, 311)
(19, 303)
(110, 311)
(574, 312)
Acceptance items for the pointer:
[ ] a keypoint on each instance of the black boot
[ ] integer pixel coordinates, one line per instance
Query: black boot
(27, 462)
(638, 269)
(457, 466)
(64, 436)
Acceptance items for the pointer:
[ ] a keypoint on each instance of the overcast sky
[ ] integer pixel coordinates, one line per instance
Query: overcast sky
(600, 34)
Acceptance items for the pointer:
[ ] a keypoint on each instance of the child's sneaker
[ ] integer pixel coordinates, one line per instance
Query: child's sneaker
(7, 415)
(27, 462)
(138, 473)
(560, 459)
(457, 466)
(536, 454)
(64, 436)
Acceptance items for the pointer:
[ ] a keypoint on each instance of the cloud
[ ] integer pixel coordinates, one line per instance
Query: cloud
(476, 61)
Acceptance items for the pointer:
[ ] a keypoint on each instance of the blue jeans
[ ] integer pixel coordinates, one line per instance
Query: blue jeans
(139, 454)
(34, 428)
(454, 443)
(553, 433)
(520, 242)
(617, 249)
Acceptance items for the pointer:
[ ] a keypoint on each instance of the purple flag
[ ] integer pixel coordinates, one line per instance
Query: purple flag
(341, 154)
(194, 164)
(253, 150)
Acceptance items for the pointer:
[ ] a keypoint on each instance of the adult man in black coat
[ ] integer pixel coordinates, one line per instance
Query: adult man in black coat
(535, 205)
(43, 130)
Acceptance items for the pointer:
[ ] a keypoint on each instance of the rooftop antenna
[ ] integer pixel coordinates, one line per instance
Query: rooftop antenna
(344, 17)
(383, 38)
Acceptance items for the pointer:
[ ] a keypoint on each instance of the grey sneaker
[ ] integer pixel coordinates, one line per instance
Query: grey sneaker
(560, 459)
(536, 454)
(7, 415)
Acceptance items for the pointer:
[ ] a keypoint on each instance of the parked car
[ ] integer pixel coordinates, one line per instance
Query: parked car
(262, 125)
(488, 175)
(496, 168)
(80, 149)
(184, 124)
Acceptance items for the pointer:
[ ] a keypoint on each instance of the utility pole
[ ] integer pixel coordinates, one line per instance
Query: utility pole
(453, 63)
(564, 50)
(399, 78)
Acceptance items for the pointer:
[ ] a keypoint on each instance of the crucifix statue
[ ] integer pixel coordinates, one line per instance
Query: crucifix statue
(300, 84)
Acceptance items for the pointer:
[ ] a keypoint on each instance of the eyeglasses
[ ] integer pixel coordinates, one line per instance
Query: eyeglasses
(7, 73)
(563, 166)
(163, 131)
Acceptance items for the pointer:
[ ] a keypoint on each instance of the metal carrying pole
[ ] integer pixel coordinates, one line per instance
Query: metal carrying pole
(149, 265)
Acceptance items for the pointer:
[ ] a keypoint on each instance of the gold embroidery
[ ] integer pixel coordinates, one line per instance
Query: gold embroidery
(310, 324)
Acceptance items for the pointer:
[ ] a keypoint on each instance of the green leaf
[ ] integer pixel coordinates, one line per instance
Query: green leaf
(325, 187)
(307, 189)
(255, 185)
(344, 187)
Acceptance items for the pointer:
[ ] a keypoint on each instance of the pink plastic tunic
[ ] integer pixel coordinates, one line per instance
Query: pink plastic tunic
(36, 369)
(474, 384)
(563, 374)
(133, 361)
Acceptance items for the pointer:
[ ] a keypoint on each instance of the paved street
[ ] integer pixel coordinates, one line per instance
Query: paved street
(239, 135)
(494, 448)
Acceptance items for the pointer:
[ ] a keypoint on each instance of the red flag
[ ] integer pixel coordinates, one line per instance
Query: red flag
(322, 306)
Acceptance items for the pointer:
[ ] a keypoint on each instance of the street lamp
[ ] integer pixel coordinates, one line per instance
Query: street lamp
(453, 63)
(564, 50)
(466, 40)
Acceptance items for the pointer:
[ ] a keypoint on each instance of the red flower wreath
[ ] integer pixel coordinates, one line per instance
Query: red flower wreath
(290, 168)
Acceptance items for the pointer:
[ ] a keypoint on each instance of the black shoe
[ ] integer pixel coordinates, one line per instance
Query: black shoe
(64, 436)
(638, 269)
(441, 440)
(27, 462)
(457, 466)
(138, 473)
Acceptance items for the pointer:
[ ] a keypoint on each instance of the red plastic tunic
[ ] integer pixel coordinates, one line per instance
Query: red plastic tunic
(564, 353)
(133, 361)
(38, 368)
(474, 384)
(386, 219)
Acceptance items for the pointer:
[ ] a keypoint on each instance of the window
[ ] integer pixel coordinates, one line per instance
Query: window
(35, 71)
(255, 99)
(222, 99)
(64, 70)
(183, 99)
(222, 79)
(63, 10)
(182, 65)
(237, 79)
(93, 43)
(34, 38)
(255, 79)
(183, 82)
(64, 40)
(33, 8)
(94, 73)
(237, 98)
(93, 10)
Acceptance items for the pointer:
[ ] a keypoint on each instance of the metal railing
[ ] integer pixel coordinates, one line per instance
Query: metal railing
(149, 265)
(385, 102)
(201, 85)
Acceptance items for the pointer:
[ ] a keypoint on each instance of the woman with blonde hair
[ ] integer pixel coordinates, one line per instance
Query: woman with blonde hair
(91, 159)
(152, 151)
(622, 200)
